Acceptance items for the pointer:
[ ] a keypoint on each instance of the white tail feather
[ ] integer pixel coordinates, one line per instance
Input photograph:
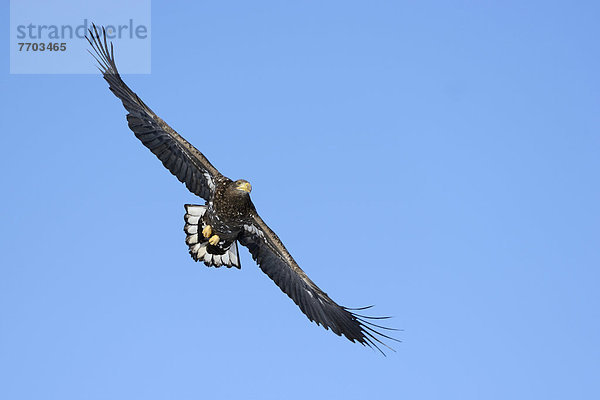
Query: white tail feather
(198, 243)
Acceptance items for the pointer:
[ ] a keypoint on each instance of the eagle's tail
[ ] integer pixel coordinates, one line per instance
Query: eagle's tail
(200, 249)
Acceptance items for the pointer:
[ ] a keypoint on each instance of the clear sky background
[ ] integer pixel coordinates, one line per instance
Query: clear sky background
(436, 159)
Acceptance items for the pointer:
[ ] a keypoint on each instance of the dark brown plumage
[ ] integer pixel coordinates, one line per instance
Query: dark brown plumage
(229, 216)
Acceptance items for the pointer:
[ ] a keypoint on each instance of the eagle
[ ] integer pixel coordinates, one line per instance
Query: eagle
(228, 217)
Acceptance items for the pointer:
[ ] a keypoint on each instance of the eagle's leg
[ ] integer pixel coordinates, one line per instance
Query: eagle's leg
(207, 232)
(214, 240)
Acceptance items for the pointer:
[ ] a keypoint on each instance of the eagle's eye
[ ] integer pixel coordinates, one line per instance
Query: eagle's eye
(244, 185)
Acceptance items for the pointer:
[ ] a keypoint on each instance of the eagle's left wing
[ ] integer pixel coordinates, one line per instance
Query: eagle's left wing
(184, 161)
(275, 261)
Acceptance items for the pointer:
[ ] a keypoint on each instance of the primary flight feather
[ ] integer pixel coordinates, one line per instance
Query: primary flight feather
(228, 217)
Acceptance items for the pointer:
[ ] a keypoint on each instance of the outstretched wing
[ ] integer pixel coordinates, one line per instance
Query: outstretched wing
(180, 157)
(275, 261)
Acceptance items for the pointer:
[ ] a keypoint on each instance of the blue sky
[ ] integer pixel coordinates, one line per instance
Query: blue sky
(436, 159)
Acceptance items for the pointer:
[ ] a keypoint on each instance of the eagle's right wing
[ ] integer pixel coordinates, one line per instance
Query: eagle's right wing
(181, 158)
(275, 261)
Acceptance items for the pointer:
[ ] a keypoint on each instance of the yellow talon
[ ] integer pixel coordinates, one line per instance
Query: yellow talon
(207, 231)
(214, 240)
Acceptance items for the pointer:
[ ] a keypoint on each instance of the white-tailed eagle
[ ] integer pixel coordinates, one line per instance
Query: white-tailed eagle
(228, 217)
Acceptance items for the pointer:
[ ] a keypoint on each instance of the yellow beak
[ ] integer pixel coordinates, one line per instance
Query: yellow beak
(245, 186)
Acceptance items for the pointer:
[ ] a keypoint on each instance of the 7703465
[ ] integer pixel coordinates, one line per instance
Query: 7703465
(50, 46)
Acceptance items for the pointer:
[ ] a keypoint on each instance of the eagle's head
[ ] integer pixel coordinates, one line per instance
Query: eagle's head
(243, 185)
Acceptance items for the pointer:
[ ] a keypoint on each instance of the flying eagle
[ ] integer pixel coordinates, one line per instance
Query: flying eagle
(213, 230)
